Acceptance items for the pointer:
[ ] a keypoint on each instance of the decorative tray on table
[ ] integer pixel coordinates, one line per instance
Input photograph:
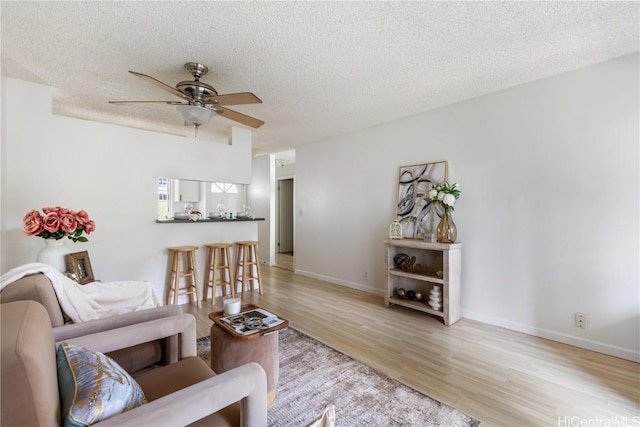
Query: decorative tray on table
(251, 322)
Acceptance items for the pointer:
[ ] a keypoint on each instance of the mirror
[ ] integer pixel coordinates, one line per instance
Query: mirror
(208, 198)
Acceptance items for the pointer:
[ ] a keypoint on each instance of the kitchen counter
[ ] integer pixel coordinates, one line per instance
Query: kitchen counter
(184, 221)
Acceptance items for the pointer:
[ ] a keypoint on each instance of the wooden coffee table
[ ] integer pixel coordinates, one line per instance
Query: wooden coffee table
(230, 349)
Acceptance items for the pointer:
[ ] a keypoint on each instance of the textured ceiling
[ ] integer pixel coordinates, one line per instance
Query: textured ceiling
(321, 68)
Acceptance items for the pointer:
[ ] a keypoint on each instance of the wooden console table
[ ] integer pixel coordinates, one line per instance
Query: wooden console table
(433, 257)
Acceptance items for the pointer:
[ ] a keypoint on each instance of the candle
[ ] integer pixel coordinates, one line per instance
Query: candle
(231, 305)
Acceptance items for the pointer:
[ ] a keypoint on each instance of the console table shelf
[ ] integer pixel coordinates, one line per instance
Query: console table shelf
(401, 273)
(442, 258)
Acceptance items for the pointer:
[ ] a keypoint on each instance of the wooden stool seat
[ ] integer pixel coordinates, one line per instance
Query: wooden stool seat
(248, 266)
(218, 261)
(189, 272)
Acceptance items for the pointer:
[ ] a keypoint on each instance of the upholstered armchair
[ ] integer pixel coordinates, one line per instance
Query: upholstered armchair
(37, 287)
(34, 376)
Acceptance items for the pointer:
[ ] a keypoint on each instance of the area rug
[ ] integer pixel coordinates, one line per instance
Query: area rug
(314, 376)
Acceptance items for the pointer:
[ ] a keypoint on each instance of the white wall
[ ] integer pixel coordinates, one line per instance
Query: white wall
(111, 172)
(286, 171)
(262, 199)
(549, 209)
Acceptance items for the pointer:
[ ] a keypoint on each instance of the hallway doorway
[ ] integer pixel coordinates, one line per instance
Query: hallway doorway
(284, 225)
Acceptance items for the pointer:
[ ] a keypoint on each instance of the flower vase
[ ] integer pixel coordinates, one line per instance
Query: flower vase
(447, 231)
(430, 225)
(53, 254)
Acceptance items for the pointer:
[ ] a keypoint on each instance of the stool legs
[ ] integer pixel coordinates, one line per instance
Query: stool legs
(243, 265)
(189, 270)
(218, 271)
(192, 279)
(248, 267)
(225, 272)
(209, 276)
(253, 260)
(174, 280)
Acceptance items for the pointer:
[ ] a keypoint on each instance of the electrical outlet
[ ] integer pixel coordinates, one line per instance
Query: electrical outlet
(581, 320)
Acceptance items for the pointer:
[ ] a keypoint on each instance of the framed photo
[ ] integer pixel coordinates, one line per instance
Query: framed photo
(79, 264)
(395, 230)
(414, 211)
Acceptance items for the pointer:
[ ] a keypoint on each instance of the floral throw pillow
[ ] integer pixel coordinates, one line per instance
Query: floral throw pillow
(93, 387)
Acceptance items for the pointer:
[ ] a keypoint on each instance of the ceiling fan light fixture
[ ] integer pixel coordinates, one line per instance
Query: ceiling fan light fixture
(195, 114)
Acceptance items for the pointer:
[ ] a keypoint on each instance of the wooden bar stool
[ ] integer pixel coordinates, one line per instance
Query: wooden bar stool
(246, 259)
(218, 261)
(189, 272)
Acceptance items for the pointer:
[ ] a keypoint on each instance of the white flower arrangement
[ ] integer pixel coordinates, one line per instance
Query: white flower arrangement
(444, 194)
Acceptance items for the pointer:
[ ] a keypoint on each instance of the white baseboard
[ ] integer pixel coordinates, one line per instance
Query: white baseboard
(623, 353)
(345, 283)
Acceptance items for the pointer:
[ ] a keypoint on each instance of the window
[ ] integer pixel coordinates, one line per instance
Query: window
(224, 187)
(163, 193)
(226, 195)
(163, 197)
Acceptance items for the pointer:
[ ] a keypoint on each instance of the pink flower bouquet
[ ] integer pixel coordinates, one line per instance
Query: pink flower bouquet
(57, 223)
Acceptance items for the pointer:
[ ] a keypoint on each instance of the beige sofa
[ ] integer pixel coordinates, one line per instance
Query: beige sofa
(186, 392)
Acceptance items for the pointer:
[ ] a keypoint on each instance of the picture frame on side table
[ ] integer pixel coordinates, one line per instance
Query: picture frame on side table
(413, 209)
(79, 264)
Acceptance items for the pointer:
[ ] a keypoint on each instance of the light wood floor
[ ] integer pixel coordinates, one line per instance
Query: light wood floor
(500, 377)
(286, 261)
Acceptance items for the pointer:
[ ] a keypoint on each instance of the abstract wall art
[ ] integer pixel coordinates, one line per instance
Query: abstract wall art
(414, 210)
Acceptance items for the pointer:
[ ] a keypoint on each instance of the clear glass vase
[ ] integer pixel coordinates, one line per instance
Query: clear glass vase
(447, 231)
(430, 225)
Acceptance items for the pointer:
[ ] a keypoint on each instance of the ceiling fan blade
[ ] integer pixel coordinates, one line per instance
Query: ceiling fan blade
(233, 99)
(161, 85)
(149, 102)
(239, 117)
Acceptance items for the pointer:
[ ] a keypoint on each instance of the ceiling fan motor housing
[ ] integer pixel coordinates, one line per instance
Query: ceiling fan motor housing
(196, 69)
(195, 88)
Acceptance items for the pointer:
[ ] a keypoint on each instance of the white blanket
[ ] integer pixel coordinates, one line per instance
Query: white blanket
(92, 301)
